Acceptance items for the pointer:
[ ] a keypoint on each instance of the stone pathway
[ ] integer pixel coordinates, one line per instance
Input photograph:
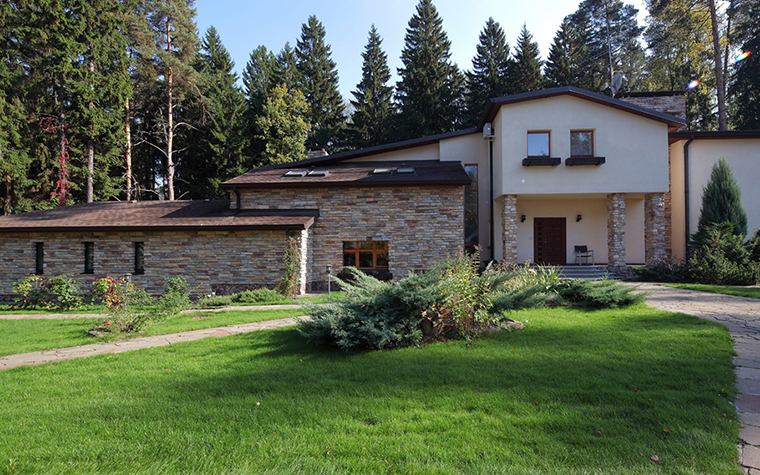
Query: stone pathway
(742, 318)
(33, 316)
(61, 354)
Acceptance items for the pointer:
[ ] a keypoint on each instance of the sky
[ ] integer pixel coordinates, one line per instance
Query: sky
(245, 24)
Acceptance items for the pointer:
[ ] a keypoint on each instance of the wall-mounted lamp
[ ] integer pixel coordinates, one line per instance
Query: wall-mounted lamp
(578, 218)
(522, 218)
(329, 280)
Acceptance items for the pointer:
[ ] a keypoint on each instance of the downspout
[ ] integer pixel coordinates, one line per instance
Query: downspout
(686, 192)
(490, 197)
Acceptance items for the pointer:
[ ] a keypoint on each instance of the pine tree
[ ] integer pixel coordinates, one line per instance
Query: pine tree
(721, 202)
(429, 93)
(745, 85)
(526, 73)
(218, 138)
(373, 106)
(319, 84)
(173, 29)
(286, 68)
(259, 77)
(491, 68)
(283, 126)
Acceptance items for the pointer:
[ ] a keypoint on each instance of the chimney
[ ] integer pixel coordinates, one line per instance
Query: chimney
(669, 102)
(316, 152)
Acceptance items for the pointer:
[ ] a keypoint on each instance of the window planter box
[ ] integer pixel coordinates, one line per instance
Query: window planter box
(573, 161)
(541, 161)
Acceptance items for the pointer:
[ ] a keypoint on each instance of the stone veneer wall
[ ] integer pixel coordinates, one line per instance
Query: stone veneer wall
(654, 228)
(422, 224)
(616, 232)
(212, 261)
(509, 228)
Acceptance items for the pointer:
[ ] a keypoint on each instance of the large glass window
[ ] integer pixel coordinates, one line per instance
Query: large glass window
(538, 144)
(471, 238)
(582, 143)
(365, 254)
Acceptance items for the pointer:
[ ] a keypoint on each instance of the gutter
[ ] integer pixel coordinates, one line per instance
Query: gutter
(686, 192)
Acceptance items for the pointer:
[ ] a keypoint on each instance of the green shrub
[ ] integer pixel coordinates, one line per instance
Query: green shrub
(66, 292)
(598, 293)
(466, 293)
(258, 296)
(722, 258)
(754, 247)
(33, 292)
(291, 259)
(373, 314)
(175, 297)
(664, 271)
(215, 301)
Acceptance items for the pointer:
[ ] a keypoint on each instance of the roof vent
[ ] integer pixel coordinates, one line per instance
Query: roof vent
(381, 171)
(296, 173)
(322, 172)
(405, 170)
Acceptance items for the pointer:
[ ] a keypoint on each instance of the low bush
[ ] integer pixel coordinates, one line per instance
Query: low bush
(722, 258)
(32, 291)
(214, 301)
(66, 292)
(664, 271)
(598, 293)
(261, 295)
(175, 297)
(60, 292)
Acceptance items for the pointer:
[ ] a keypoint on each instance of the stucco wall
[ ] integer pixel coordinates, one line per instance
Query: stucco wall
(422, 225)
(590, 231)
(635, 149)
(210, 260)
(743, 155)
(424, 152)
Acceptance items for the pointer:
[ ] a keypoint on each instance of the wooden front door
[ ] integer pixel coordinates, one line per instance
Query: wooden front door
(550, 241)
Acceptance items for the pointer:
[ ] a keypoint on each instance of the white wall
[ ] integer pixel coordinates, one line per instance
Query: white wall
(635, 148)
(423, 152)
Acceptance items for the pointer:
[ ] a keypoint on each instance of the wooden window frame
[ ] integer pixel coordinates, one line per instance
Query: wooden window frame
(375, 251)
(139, 267)
(593, 151)
(548, 133)
(89, 257)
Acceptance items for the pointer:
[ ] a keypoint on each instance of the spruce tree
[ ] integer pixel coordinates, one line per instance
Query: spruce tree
(373, 106)
(721, 202)
(218, 139)
(319, 84)
(491, 68)
(286, 68)
(745, 86)
(429, 93)
(526, 73)
(563, 65)
(259, 76)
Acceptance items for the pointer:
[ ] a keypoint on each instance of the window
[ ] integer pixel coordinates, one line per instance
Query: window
(538, 144)
(471, 209)
(39, 250)
(582, 143)
(89, 259)
(365, 254)
(139, 258)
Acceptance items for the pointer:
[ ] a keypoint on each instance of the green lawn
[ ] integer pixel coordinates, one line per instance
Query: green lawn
(21, 336)
(752, 292)
(573, 393)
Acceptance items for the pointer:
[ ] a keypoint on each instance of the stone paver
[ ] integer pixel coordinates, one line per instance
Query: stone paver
(741, 316)
(62, 354)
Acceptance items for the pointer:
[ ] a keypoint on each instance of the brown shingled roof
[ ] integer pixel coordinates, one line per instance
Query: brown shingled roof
(428, 172)
(156, 215)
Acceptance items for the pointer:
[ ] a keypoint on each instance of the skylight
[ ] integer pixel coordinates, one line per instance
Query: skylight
(322, 172)
(296, 173)
(381, 171)
(405, 170)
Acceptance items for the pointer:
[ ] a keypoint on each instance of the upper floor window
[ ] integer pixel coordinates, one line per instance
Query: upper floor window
(538, 144)
(582, 143)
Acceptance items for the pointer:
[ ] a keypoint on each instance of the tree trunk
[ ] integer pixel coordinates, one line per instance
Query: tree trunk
(7, 201)
(729, 17)
(169, 118)
(722, 125)
(90, 145)
(128, 148)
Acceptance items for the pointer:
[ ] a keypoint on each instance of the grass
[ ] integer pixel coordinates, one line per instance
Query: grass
(751, 292)
(573, 393)
(8, 310)
(22, 336)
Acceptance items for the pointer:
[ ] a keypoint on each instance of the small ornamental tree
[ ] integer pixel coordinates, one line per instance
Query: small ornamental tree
(721, 202)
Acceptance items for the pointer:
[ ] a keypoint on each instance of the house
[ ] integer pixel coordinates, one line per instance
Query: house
(545, 172)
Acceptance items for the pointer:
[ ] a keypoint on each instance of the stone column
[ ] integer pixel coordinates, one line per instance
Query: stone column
(616, 232)
(654, 228)
(509, 228)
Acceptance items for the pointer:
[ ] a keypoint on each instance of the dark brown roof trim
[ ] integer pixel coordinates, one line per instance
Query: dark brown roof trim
(715, 134)
(248, 227)
(652, 94)
(494, 104)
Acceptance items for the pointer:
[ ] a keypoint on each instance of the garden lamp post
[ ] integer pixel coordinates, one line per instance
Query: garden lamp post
(329, 280)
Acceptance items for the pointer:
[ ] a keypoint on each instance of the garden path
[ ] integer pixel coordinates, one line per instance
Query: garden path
(741, 316)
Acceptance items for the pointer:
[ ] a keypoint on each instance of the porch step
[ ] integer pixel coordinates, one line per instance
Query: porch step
(587, 272)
